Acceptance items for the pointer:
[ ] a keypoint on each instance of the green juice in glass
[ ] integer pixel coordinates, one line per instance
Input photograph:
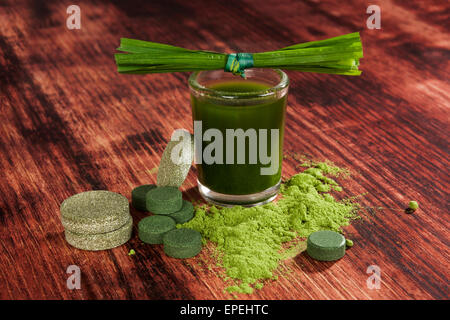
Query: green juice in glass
(230, 102)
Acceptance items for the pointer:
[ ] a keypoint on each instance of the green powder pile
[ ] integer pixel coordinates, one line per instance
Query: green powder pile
(251, 242)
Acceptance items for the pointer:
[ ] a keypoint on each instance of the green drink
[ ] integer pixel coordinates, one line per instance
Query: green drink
(244, 119)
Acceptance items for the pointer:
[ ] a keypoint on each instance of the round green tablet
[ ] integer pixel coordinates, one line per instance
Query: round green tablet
(93, 212)
(138, 194)
(185, 214)
(152, 229)
(164, 200)
(326, 245)
(182, 243)
(100, 241)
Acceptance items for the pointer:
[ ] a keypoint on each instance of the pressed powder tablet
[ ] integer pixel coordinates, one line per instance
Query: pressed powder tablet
(182, 243)
(153, 228)
(185, 214)
(172, 173)
(138, 199)
(93, 212)
(100, 241)
(326, 245)
(164, 200)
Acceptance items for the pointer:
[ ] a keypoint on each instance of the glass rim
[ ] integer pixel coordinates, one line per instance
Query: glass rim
(283, 83)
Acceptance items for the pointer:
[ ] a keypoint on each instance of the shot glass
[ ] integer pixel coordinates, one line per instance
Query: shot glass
(238, 134)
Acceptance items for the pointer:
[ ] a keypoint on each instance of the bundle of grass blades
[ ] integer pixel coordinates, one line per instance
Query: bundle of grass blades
(338, 55)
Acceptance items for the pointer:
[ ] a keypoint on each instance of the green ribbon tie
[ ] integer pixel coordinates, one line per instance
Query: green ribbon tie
(238, 62)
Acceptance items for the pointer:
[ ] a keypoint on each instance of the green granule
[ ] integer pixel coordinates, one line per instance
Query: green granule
(250, 241)
(131, 252)
(152, 170)
(413, 205)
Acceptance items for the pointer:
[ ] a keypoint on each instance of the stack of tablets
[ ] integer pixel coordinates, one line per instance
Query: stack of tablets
(162, 201)
(169, 209)
(96, 220)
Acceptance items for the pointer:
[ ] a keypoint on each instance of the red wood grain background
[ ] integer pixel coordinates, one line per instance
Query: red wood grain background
(70, 123)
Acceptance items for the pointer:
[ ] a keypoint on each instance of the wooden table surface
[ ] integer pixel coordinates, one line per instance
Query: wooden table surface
(71, 123)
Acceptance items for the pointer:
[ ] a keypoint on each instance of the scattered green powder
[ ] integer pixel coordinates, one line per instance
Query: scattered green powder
(327, 168)
(294, 250)
(251, 241)
(259, 285)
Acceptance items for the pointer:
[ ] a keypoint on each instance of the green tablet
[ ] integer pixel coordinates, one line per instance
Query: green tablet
(182, 243)
(152, 229)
